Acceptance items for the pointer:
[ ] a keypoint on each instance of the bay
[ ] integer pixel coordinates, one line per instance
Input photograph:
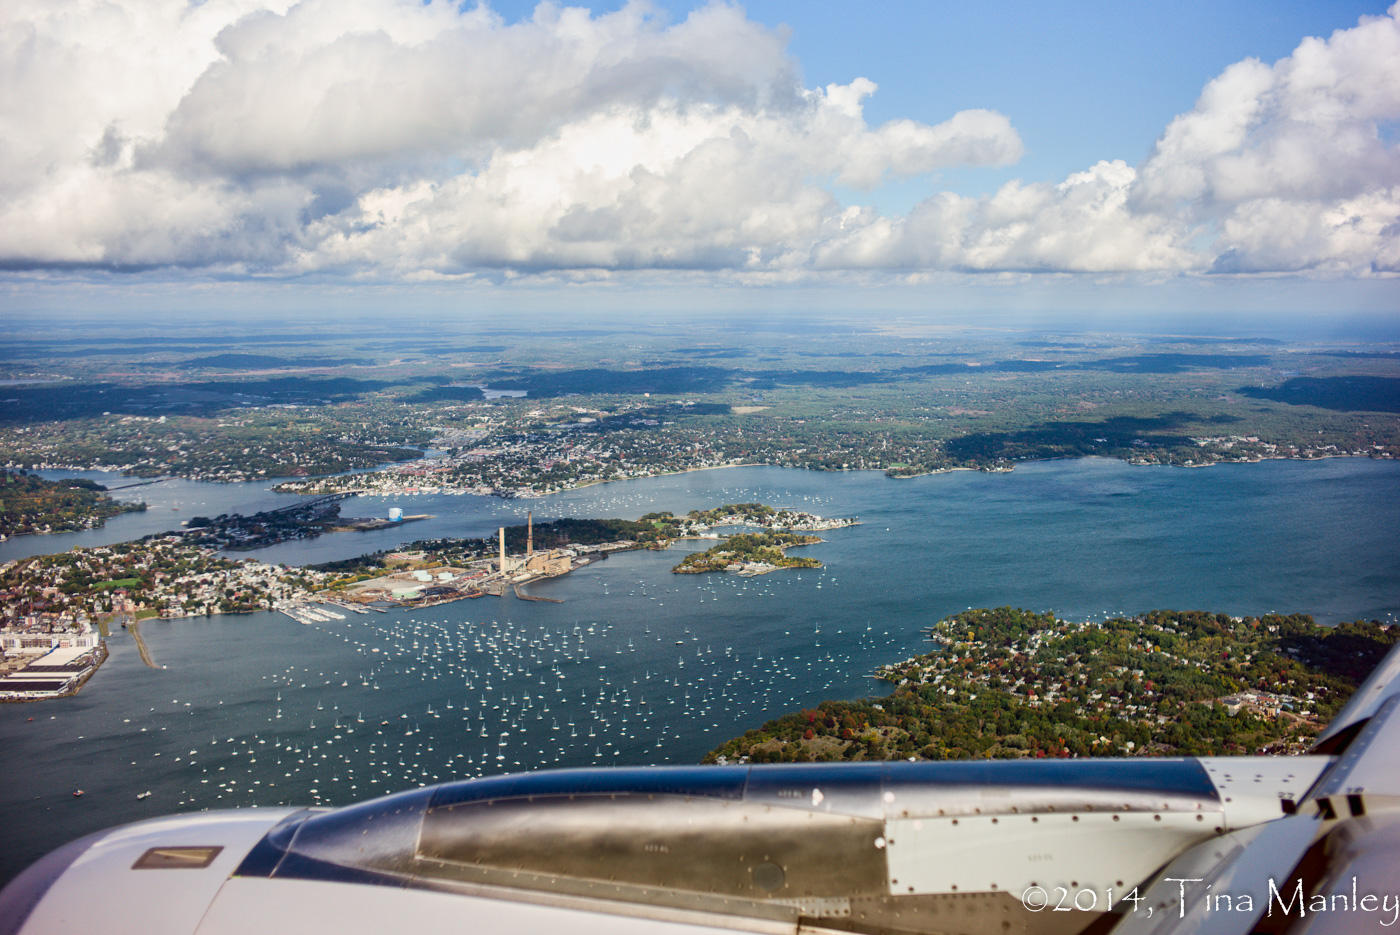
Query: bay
(641, 666)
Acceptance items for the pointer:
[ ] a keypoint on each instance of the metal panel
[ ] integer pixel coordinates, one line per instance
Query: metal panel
(1254, 788)
(1221, 886)
(704, 845)
(725, 782)
(1370, 765)
(100, 892)
(316, 908)
(1172, 776)
(1092, 853)
(928, 790)
(1359, 885)
(841, 789)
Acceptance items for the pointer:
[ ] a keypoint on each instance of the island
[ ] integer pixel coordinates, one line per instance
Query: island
(1011, 683)
(750, 554)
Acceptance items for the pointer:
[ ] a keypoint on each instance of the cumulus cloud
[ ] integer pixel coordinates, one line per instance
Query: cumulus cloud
(392, 135)
(1289, 162)
(1079, 225)
(1278, 168)
(407, 139)
(331, 83)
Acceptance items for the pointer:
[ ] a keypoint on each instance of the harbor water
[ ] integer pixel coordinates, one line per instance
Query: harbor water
(638, 665)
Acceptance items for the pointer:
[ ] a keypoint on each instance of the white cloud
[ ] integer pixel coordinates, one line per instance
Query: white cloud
(392, 135)
(1336, 238)
(1080, 225)
(1289, 162)
(394, 138)
(1280, 168)
(332, 83)
(667, 186)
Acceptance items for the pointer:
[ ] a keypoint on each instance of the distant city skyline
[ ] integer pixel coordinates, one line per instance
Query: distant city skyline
(317, 156)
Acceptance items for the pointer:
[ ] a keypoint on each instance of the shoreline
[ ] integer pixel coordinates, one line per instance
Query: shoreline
(524, 494)
(1011, 467)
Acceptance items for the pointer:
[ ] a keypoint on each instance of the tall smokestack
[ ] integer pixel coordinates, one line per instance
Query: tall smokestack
(503, 549)
(529, 533)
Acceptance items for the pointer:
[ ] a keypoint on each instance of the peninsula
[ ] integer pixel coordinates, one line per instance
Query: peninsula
(29, 504)
(60, 602)
(55, 609)
(305, 519)
(1009, 683)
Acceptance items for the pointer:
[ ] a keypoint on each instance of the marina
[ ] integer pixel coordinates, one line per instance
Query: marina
(309, 613)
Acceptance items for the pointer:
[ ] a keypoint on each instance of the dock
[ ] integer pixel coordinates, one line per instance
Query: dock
(521, 595)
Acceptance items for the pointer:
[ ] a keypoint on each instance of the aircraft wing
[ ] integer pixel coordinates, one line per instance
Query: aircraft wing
(1131, 845)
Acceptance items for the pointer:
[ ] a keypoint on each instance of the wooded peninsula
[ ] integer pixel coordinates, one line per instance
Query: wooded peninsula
(1011, 683)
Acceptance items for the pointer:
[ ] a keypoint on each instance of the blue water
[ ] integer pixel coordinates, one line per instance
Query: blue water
(642, 666)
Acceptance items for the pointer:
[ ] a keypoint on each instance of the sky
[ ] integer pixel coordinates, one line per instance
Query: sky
(329, 153)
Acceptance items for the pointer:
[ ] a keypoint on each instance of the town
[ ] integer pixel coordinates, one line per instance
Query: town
(54, 609)
(30, 504)
(906, 411)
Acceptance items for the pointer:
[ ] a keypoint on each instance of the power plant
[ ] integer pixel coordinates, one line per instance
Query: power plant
(553, 562)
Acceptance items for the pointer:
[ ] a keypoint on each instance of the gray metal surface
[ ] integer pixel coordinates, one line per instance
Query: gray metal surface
(1360, 886)
(712, 846)
(971, 848)
(1221, 886)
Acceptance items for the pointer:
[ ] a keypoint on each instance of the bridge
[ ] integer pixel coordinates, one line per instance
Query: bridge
(313, 503)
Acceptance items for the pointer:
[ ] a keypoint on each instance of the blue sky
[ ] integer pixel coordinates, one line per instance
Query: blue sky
(1081, 81)
(929, 154)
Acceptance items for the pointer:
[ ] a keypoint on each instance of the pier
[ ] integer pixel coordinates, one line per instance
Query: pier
(135, 629)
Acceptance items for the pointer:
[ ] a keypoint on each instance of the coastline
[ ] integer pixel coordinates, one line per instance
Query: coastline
(1010, 467)
(528, 494)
